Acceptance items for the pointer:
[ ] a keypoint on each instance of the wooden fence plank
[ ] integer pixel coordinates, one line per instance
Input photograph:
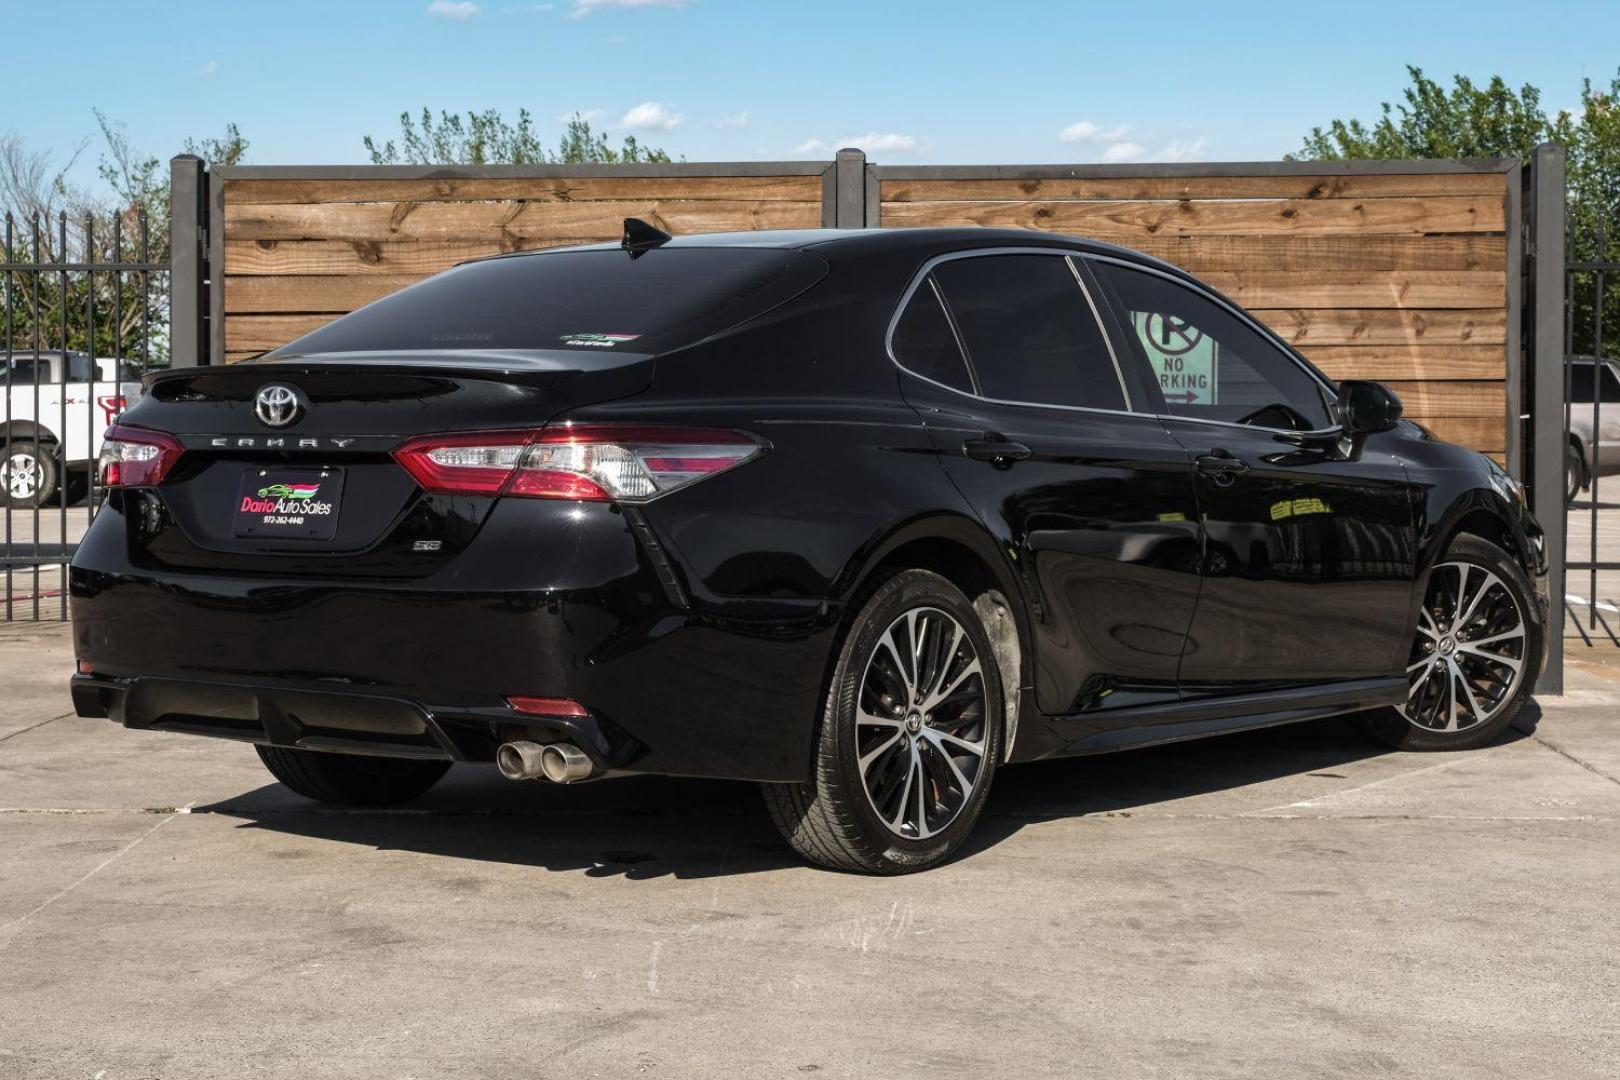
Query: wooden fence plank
(256, 333)
(420, 257)
(310, 293)
(1208, 254)
(1362, 289)
(802, 189)
(1125, 220)
(1387, 362)
(471, 221)
(1447, 399)
(1486, 434)
(1321, 289)
(1363, 326)
(1367, 186)
(1204, 255)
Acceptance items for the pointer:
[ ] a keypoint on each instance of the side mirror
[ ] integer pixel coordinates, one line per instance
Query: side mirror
(1366, 408)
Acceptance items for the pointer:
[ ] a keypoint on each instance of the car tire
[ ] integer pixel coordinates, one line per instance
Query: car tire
(351, 779)
(906, 749)
(27, 473)
(1487, 649)
(1574, 473)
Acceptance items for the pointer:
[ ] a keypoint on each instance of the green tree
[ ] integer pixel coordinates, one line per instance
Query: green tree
(1470, 121)
(488, 138)
(50, 220)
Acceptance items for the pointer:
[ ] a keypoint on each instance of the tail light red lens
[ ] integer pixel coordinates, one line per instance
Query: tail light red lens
(547, 706)
(596, 462)
(135, 457)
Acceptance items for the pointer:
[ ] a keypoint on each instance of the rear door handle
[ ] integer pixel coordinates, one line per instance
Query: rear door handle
(996, 450)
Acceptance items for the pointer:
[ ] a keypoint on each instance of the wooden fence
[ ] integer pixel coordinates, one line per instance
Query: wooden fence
(1406, 272)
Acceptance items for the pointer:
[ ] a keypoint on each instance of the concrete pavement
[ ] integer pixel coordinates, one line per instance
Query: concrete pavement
(1293, 903)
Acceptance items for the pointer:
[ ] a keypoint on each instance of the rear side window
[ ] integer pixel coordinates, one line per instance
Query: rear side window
(591, 301)
(925, 344)
(1030, 334)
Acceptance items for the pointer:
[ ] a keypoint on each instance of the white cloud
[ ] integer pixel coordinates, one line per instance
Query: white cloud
(1087, 131)
(873, 142)
(651, 116)
(583, 8)
(458, 10)
(209, 69)
(1123, 151)
(732, 120)
(1182, 150)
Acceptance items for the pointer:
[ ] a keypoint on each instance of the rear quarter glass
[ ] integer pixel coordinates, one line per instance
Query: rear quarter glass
(597, 301)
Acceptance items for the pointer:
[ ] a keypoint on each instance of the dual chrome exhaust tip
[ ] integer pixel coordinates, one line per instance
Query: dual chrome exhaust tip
(559, 762)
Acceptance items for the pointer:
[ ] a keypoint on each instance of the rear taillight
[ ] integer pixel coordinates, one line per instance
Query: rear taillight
(134, 457)
(596, 462)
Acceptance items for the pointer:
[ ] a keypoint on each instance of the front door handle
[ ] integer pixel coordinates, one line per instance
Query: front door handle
(996, 450)
(1221, 466)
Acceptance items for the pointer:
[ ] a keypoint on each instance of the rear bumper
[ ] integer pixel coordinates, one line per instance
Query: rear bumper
(422, 668)
(344, 722)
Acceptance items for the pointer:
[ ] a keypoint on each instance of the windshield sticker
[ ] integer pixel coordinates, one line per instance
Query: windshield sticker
(600, 341)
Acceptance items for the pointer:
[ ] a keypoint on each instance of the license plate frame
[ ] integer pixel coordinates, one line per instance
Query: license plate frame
(272, 504)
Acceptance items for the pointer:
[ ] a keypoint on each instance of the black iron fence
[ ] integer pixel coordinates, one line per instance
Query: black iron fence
(1592, 428)
(84, 310)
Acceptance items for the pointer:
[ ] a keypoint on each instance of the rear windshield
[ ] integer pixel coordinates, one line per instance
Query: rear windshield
(596, 301)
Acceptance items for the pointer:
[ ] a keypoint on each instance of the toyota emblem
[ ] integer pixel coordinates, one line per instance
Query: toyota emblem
(276, 405)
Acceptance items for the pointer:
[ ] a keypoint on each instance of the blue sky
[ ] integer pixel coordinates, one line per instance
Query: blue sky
(933, 82)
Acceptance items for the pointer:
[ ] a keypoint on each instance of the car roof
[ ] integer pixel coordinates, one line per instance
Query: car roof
(839, 245)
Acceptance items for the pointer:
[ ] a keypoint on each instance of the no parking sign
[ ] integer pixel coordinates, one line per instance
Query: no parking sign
(1183, 357)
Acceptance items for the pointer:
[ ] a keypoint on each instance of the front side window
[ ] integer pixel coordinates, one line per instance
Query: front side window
(1030, 334)
(1210, 364)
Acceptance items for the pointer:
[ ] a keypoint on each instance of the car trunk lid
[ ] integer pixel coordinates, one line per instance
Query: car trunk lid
(319, 492)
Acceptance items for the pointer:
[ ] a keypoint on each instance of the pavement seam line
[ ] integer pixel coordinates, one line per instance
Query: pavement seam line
(1559, 750)
(35, 727)
(16, 924)
(1319, 799)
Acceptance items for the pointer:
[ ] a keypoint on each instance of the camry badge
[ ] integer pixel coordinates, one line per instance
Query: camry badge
(276, 405)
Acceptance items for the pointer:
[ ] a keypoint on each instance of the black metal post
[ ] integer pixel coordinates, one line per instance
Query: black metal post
(1546, 348)
(851, 189)
(188, 264)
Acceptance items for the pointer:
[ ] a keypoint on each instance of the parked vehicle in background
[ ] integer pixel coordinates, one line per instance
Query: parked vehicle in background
(862, 515)
(58, 407)
(1594, 441)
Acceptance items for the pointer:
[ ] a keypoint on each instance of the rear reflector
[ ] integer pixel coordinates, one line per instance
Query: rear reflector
(135, 457)
(598, 462)
(86, 668)
(547, 706)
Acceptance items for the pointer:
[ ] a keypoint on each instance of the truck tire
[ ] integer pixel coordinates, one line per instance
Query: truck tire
(27, 473)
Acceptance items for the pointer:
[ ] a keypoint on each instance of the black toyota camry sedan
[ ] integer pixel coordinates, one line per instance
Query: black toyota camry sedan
(861, 515)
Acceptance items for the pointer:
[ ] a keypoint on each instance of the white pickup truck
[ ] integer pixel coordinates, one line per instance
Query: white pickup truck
(53, 420)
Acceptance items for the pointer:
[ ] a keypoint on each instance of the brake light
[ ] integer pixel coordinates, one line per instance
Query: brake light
(111, 406)
(591, 462)
(135, 457)
(547, 706)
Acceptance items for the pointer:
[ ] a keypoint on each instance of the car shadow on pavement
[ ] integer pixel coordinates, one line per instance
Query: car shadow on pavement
(649, 827)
